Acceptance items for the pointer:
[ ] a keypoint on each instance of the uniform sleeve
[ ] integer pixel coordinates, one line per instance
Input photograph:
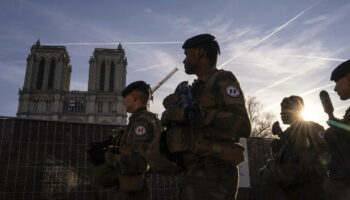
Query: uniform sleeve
(143, 133)
(231, 119)
(134, 160)
(311, 147)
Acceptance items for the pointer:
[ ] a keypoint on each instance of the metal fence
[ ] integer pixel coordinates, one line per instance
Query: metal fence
(42, 160)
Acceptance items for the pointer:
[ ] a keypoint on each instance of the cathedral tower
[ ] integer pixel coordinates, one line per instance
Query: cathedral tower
(107, 70)
(45, 94)
(48, 68)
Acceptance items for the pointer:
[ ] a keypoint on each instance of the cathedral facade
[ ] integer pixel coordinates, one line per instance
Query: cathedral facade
(45, 94)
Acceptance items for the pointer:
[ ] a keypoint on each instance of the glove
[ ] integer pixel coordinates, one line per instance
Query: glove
(276, 128)
(191, 111)
(170, 100)
(97, 156)
(173, 114)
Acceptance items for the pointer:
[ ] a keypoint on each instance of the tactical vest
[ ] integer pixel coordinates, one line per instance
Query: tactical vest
(157, 158)
(210, 108)
(132, 178)
(208, 98)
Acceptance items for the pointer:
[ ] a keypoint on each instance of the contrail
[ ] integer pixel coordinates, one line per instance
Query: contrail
(316, 89)
(278, 82)
(15, 37)
(317, 57)
(297, 74)
(109, 43)
(147, 68)
(269, 35)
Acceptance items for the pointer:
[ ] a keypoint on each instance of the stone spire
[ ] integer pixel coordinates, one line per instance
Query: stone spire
(37, 43)
(120, 46)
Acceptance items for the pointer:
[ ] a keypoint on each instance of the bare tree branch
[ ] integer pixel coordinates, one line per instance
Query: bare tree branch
(261, 121)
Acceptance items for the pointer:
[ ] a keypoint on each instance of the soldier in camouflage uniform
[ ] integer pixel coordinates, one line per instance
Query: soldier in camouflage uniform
(126, 170)
(204, 132)
(337, 185)
(297, 169)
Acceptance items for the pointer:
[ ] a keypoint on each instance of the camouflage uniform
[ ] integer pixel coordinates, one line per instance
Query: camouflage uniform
(126, 171)
(337, 186)
(207, 148)
(297, 170)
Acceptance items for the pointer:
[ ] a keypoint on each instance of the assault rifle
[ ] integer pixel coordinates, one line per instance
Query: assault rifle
(342, 148)
(285, 149)
(111, 144)
(328, 108)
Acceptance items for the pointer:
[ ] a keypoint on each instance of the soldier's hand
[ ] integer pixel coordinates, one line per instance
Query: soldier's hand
(173, 114)
(97, 156)
(191, 111)
(170, 100)
(276, 128)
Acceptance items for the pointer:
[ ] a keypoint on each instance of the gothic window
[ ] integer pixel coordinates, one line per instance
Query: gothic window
(110, 104)
(39, 83)
(51, 75)
(111, 77)
(48, 105)
(74, 105)
(99, 107)
(102, 76)
(35, 103)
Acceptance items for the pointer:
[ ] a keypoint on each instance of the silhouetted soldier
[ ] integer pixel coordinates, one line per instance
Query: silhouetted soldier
(205, 121)
(337, 186)
(125, 170)
(296, 170)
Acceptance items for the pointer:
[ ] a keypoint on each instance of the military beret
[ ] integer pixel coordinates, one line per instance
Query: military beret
(293, 102)
(140, 86)
(198, 40)
(340, 71)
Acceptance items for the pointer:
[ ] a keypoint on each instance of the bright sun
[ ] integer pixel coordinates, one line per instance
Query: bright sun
(313, 113)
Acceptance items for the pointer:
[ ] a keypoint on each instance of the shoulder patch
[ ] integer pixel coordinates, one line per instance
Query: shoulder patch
(140, 130)
(321, 134)
(232, 91)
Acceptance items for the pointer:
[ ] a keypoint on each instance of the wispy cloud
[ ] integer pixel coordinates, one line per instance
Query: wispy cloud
(318, 89)
(78, 85)
(12, 73)
(148, 10)
(316, 19)
(110, 43)
(268, 36)
(15, 37)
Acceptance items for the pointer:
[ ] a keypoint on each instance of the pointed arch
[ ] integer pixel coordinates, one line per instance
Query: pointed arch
(111, 77)
(102, 76)
(40, 80)
(51, 75)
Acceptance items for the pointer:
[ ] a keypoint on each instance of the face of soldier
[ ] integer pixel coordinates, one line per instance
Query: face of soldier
(288, 115)
(129, 102)
(342, 87)
(191, 60)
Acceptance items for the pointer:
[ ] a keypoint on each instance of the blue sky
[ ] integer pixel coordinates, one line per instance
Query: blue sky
(275, 48)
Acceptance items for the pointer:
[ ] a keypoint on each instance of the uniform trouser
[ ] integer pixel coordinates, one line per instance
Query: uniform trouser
(217, 182)
(305, 191)
(138, 195)
(277, 189)
(337, 189)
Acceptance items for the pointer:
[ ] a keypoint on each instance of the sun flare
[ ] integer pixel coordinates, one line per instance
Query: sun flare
(313, 113)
